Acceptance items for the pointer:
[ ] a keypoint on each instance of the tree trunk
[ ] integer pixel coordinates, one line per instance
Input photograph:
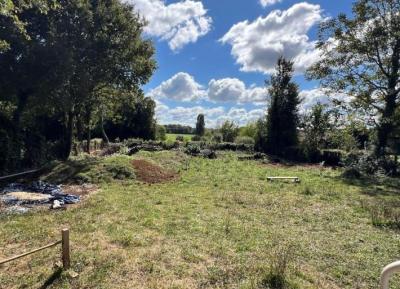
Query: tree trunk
(105, 137)
(67, 141)
(88, 140)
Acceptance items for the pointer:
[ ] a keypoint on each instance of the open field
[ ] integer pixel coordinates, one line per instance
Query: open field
(171, 137)
(220, 224)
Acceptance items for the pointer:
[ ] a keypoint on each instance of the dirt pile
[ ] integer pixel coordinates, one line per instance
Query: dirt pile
(152, 174)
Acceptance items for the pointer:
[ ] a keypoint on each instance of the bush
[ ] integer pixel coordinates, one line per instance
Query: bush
(196, 138)
(161, 133)
(294, 153)
(180, 138)
(333, 157)
(245, 140)
(192, 149)
(217, 138)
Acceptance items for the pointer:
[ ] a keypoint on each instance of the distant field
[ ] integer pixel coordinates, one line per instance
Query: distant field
(219, 224)
(172, 137)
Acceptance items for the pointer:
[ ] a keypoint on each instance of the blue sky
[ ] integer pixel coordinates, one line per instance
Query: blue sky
(214, 55)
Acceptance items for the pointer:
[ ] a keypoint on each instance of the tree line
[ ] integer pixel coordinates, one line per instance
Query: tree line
(70, 70)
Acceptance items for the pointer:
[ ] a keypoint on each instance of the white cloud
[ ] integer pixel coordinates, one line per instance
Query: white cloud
(234, 90)
(214, 116)
(257, 45)
(178, 23)
(240, 116)
(181, 86)
(265, 3)
(319, 95)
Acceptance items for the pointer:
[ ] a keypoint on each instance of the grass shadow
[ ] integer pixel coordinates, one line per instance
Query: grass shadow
(373, 186)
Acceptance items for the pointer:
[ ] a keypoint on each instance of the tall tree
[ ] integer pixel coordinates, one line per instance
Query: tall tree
(282, 117)
(361, 57)
(102, 41)
(200, 125)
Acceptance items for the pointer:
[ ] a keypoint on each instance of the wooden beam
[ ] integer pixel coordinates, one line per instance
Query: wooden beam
(29, 253)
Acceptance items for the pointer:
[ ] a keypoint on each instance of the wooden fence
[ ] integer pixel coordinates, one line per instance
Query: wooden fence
(64, 245)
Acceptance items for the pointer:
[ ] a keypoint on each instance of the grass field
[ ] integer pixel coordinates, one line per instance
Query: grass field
(171, 137)
(220, 225)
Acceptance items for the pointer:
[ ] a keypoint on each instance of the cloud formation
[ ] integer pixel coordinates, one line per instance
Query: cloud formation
(214, 116)
(183, 87)
(178, 23)
(257, 45)
(265, 3)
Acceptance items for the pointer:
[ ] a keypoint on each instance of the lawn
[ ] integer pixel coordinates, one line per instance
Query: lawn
(219, 225)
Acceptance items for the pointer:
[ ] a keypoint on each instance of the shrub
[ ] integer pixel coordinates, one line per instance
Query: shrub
(333, 157)
(294, 153)
(229, 131)
(161, 133)
(217, 138)
(180, 138)
(196, 138)
(245, 140)
(192, 149)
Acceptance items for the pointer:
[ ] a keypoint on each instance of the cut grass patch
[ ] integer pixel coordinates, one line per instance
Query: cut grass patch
(218, 226)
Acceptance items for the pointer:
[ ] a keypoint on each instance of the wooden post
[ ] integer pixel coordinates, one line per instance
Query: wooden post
(65, 248)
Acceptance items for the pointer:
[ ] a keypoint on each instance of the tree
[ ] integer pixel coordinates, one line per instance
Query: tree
(229, 131)
(315, 127)
(98, 57)
(361, 58)
(161, 133)
(200, 125)
(58, 62)
(249, 130)
(282, 117)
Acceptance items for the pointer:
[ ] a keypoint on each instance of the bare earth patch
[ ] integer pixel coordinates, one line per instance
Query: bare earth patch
(152, 174)
(29, 196)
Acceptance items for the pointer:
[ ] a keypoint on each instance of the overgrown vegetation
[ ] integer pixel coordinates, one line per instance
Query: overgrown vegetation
(219, 225)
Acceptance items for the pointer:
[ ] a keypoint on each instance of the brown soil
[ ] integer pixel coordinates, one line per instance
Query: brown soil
(151, 173)
(77, 190)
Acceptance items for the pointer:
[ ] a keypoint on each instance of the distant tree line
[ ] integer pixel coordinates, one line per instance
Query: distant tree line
(179, 129)
(70, 69)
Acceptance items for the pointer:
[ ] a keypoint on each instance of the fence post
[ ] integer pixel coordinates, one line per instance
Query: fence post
(65, 248)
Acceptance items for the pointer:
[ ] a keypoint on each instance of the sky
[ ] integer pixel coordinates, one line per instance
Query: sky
(214, 56)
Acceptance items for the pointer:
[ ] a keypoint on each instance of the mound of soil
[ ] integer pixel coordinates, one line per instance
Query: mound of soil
(152, 174)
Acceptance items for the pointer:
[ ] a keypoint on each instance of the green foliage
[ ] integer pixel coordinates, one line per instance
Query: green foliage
(161, 133)
(249, 130)
(217, 138)
(360, 57)
(282, 117)
(316, 126)
(133, 118)
(180, 138)
(244, 140)
(200, 125)
(229, 131)
(64, 72)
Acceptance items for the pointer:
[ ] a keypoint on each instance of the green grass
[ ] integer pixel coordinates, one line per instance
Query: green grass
(171, 137)
(221, 225)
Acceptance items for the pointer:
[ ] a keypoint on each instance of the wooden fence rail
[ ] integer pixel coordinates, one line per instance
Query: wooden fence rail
(64, 245)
